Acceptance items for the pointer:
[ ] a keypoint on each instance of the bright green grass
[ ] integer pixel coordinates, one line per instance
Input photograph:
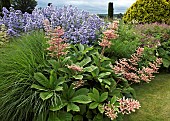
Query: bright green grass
(154, 99)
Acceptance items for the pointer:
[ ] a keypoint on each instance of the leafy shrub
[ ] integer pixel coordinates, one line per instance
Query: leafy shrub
(155, 38)
(124, 45)
(78, 85)
(79, 26)
(148, 11)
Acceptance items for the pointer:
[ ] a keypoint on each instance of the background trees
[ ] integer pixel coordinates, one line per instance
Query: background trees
(24, 5)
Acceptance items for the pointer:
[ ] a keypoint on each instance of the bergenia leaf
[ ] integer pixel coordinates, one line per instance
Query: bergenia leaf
(73, 107)
(82, 91)
(113, 100)
(85, 61)
(93, 105)
(42, 79)
(53, 78)
(81, 99)
(96, 94)
(103, 96)
(46, 95)
(54, 64)
(38, 87)
(102, 75)
(78, 77)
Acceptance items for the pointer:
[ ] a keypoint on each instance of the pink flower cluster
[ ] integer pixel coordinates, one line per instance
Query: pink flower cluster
(128, 68)
(57, 45)
(146, 74)
(110, 111)
(78, 84)
(114, 25)
(75, 68)
(108, 35)
(126, 106)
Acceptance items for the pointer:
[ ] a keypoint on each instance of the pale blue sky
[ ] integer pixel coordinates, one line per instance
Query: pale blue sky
(92, 6)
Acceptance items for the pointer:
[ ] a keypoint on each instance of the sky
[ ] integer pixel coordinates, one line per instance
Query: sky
(92, 6)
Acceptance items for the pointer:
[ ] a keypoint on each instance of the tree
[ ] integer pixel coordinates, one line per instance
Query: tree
(148, 11)
(110, 10)
(4, 3)
(24, 5)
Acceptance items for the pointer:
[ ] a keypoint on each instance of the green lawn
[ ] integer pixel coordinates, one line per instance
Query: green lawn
(154, 98)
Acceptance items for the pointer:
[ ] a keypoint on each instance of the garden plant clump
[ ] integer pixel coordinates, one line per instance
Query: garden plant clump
(60, 81)
(64, 64)
(155, 38)
(79, 26)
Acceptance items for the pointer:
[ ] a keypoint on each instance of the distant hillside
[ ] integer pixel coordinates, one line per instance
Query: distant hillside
(120, 15)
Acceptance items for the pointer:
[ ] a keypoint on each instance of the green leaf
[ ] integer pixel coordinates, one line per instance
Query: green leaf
(38, 87)
(65, 70)
(78, 77)
(96, 94)
(92, 96)
(81, 47)
(102, 75)
(85, 61)
(87, 50)
(129, 90)
(46, 95)
(58, 88)
(95, 72)
(65, 116)
(53, 117)
(113, 100)
(66, 59)
(166, 62)
(103, 96)
(93, 105)
(53, 78)
(90, 68)
(96, 60)
(57, 107)
(42, 79)
(60, 81)
(101, 108)
(81, 99)
(106, 81)
(82, 91)
(54, 64)
(78, 118)
(70, 91)
(73, 107)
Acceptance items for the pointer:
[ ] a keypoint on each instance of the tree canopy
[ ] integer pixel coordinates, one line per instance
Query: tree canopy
(24, 5)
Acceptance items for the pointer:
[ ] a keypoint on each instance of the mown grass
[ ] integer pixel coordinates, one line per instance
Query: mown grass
(155, 100)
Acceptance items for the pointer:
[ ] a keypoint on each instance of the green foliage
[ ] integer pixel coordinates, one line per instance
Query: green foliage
(19, 61)
(156, 40)
(148, 11)
(24, 5)
(35, 87)
(125, 44)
